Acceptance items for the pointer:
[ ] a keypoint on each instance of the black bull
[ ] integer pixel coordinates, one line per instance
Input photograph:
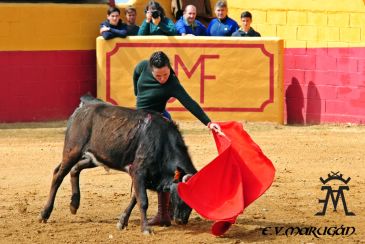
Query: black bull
(143, 144)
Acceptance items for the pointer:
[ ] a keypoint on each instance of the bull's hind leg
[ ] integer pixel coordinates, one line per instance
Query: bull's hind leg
(124, 217)
(142, 200)
(75, 179)
(58, 175)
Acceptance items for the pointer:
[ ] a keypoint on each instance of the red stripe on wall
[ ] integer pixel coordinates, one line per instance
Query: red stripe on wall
(44, 85)
(324, 85)
(321, 84)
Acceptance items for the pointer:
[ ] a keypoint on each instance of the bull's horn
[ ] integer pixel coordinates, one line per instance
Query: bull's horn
(186, 177)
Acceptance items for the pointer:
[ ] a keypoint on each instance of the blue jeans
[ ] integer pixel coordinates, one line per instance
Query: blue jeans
(166, 114)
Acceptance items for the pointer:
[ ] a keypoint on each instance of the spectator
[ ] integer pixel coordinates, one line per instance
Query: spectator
(222, 25)
(113, 26)
(188, 25)
(246, 29)
(156, 23)
(130, 15)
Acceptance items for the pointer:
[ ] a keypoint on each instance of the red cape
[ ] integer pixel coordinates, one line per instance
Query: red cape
(234, 179)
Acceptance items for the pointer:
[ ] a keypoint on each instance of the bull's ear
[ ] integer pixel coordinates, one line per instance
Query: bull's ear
(179, 174)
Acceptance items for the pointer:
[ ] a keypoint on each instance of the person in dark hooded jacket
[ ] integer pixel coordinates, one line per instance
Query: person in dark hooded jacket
(246, 29)
(113, 26)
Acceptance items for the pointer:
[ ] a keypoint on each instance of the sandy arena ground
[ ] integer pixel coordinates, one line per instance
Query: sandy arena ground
(301, 155)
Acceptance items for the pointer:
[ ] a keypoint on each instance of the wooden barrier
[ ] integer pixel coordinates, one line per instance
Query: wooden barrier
(231, 78)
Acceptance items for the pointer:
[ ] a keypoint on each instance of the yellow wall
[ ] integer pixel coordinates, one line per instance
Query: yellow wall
(312, 5)
(315, 23)
(50, 26)
(234, 88)
(28, 27)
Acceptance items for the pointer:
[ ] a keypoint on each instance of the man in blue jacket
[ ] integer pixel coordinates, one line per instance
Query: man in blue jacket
(188, 25)
(222, 25)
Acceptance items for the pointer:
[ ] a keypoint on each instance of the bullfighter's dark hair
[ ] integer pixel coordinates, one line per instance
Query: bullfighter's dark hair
(113, 9)
(153, 5)
(159, 59)
(246, 14)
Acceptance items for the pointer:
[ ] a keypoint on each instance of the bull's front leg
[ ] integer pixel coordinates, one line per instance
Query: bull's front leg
(124, 217)
(142, 200)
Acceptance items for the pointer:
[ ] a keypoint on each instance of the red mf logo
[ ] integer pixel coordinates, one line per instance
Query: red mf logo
(203, 76)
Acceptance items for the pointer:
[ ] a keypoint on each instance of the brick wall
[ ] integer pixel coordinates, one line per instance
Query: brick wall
(324, 59)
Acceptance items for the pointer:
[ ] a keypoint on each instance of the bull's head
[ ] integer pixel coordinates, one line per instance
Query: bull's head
(180, 211)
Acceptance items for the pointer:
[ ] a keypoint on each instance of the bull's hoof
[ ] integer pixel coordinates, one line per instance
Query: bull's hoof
(75, 203)
(41, 219)
(180, 222)
(73, 210)
(148, 231)
(121, 226)
(123, 222)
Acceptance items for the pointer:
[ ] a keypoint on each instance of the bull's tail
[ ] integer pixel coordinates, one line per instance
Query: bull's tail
(89, 99)
(84, 100)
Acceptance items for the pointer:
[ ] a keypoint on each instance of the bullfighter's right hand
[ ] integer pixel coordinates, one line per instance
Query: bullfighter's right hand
(215, 127)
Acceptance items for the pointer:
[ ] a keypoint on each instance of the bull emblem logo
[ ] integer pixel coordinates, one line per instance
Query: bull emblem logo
(330, 193)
